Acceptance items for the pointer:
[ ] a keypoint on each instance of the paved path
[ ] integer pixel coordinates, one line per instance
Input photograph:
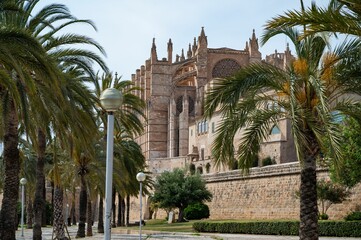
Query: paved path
(118, 234)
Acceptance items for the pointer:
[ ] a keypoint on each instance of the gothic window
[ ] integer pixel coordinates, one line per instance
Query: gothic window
(179, 105)
(200, 170)
(275, 130)
(225, 68)
(208, 167)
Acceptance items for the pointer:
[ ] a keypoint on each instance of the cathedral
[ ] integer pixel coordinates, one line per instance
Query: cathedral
(176, 132)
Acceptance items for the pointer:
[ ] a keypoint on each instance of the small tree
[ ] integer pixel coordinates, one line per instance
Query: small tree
(329, 193)
(351, 147)
(177, 190)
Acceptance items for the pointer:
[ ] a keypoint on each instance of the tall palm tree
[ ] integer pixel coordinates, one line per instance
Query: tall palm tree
(21, 57)
(306, 93)
(43, 25)
(340, 16)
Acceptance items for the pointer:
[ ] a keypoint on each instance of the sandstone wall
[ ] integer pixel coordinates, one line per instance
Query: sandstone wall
(266, 193)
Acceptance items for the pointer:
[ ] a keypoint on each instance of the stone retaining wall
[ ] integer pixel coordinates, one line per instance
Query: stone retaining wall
(266, 193)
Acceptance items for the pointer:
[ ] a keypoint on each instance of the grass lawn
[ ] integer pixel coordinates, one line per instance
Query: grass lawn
(163, 225)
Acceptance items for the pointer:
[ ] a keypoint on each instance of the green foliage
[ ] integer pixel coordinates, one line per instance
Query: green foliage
(353, 216)
(192, 168)
(177, 190)
(326, 228)
(329, 193)
(196, 211)
(351, 146)
(49, 213)
(323, 216)
(268, 161)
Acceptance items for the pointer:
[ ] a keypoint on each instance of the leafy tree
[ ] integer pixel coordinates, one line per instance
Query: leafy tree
(177, 190)
(307, 94)
(351, 147)
(329, 193)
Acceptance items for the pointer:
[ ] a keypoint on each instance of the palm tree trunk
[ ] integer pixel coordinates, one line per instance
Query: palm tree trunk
(11, 178)
(119, 220)
(72, 211)
(308, 200)
(123, 212)
(101, 215)
(128, 210)
(82, 209)
(58, 214)
(29, 214)
(89, 230)
(39, 201)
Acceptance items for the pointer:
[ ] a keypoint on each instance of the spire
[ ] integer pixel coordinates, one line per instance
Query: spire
(153, 55)
(246, 48)
(288, 48)
(182, 58)
(254, 53)
(189, 52)
(194, 47)
(170, 50)
(253, 42)
(202, 39)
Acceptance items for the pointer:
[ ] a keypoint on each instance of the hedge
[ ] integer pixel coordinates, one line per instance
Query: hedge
(326, 228)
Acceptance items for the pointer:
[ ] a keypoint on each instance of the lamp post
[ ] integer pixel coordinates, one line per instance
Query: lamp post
(23, 181)
(111, 100)
(140, 177)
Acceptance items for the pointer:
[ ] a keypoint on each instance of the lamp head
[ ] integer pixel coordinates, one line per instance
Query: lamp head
(23, 181)
(111, 99)
(141, 177)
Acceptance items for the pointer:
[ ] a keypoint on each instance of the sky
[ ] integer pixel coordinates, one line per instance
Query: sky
(126, 28)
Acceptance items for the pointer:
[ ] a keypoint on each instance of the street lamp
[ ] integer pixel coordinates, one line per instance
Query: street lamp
(140, 177)
(23, 181)
(111, 100)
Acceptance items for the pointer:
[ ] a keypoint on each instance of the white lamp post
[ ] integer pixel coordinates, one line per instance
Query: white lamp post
(140, 177)
(23, 181)
(111, 100)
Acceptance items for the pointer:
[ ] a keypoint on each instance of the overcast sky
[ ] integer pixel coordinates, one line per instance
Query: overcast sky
(126, 27)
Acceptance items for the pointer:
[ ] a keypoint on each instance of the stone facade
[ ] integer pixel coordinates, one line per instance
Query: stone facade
(266, 193)
(174, 92)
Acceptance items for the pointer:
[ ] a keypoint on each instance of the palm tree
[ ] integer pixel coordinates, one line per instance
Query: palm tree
(306, 93)
(340, 16)
(43, 26)
(128, 158)
(21, 57)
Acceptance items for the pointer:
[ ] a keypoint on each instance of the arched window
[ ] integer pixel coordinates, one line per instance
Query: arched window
(225, 68)
(275, 130)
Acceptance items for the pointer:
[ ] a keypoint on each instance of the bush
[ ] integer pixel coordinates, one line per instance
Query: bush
(353, 216)
(326, 228)
(268, 161)
(196, 211)
(323, 216)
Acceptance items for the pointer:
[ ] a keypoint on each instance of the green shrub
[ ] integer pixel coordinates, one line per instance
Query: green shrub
(196, 211)
(192, 168)
(323, 216)
(326, 228)
(353, 216)
(268, 161)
